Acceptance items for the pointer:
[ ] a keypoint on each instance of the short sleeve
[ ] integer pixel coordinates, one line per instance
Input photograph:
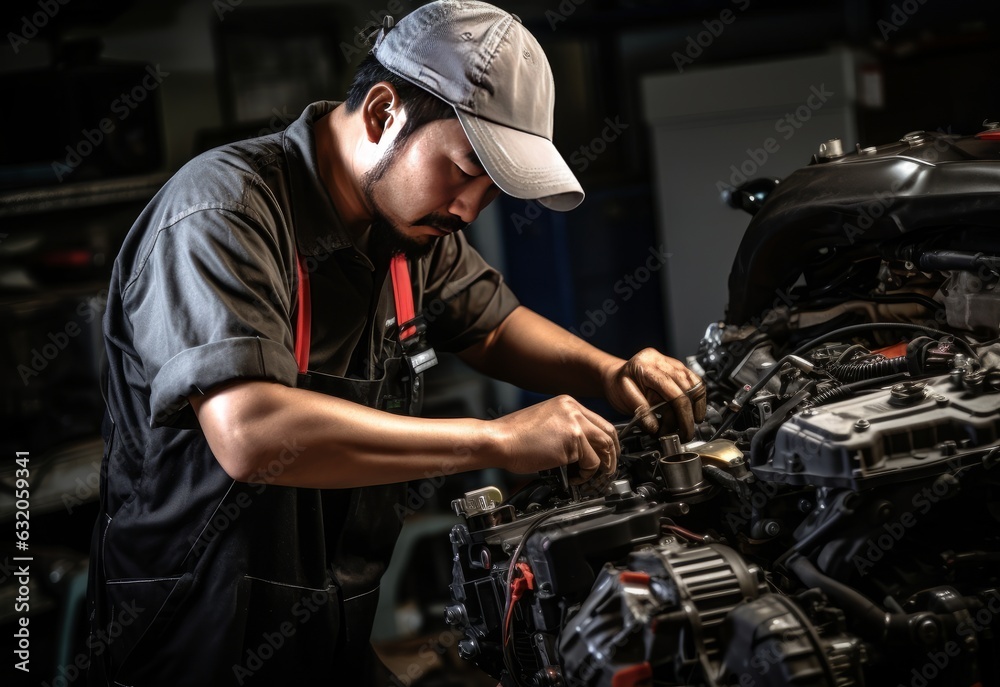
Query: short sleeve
(464, 297)
(210, 303)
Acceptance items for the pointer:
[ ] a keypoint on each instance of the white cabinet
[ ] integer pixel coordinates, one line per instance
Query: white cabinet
(717, 126)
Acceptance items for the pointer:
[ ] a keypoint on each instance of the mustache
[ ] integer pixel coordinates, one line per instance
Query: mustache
(443, 222)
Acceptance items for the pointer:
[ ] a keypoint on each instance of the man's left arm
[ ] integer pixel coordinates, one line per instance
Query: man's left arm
(532, 352)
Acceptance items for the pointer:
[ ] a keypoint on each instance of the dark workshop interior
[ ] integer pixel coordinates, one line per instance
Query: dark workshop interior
(102, 100)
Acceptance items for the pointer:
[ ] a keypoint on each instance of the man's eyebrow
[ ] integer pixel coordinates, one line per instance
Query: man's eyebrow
(474, 159)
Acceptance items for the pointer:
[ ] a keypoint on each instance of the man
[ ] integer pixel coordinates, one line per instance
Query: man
(262, 354)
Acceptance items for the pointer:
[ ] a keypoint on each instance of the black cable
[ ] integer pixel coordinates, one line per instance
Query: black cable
(822, 529)
(862, 370)
(909, 297)
(870, 326)
(813, 343)
(509, 593)
(765, 378)
(770, 425)
(847, 390)
(850, 349)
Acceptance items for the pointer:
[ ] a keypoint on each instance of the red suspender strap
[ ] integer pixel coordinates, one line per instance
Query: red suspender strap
(303, 319)
(402, 291)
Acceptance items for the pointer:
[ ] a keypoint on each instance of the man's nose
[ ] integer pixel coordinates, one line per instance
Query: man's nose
(474, 196)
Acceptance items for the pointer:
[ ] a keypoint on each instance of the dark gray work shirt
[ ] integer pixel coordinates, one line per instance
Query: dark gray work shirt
(204, 292)
(207, 278)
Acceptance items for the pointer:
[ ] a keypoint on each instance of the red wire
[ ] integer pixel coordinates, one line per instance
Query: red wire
(518, 585)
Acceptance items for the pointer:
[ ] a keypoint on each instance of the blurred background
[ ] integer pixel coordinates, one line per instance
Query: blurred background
(662, 105)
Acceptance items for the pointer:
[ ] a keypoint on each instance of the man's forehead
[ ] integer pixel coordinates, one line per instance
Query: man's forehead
(449, 134)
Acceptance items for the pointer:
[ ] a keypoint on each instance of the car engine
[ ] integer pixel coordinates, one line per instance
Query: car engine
(835, 520)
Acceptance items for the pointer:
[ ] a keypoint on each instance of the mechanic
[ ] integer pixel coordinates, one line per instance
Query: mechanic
(258, 431)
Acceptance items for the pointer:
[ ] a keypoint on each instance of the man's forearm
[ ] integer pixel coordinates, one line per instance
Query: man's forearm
(266, 432)
(534, 353)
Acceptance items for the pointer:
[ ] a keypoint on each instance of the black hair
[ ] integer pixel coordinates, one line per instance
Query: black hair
(422, 107)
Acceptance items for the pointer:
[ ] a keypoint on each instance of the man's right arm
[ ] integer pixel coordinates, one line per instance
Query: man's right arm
(263, 431)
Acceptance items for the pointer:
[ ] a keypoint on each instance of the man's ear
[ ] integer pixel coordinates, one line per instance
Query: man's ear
(380, 109)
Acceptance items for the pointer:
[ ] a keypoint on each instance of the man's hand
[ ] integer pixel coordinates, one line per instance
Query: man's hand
(554, 433)
(650, 377)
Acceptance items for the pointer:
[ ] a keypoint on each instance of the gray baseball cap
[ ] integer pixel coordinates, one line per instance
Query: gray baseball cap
(483, 62)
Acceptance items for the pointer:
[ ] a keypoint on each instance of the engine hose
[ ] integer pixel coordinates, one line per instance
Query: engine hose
(868, 369)
(879, 326)
(771, 425)
(837, 393)
(847, 390)
(728, 421)
(873, 622)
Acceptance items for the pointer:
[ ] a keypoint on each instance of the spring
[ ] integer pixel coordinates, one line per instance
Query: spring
(867, 369)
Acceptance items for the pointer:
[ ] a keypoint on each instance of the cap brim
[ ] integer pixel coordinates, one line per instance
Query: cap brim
(523, 165)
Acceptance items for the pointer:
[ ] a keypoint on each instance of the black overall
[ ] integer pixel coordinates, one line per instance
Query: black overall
(281, 586)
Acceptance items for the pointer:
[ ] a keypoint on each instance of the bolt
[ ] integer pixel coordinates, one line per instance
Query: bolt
(862, 425)
(884, 511)
(468, 649)
(927, 631)
(454, 614)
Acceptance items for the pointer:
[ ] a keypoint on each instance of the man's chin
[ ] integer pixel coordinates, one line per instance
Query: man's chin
(419, 248)
(411, 248)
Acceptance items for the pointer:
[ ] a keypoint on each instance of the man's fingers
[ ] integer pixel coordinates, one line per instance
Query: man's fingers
(686, 394)
(636, 400)
(608, 430)
(599, 452)
(663, 383)
(699, 400)
(683, 417)
(587, 463)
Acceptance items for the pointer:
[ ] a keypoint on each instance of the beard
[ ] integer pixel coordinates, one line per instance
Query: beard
(386, 239)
